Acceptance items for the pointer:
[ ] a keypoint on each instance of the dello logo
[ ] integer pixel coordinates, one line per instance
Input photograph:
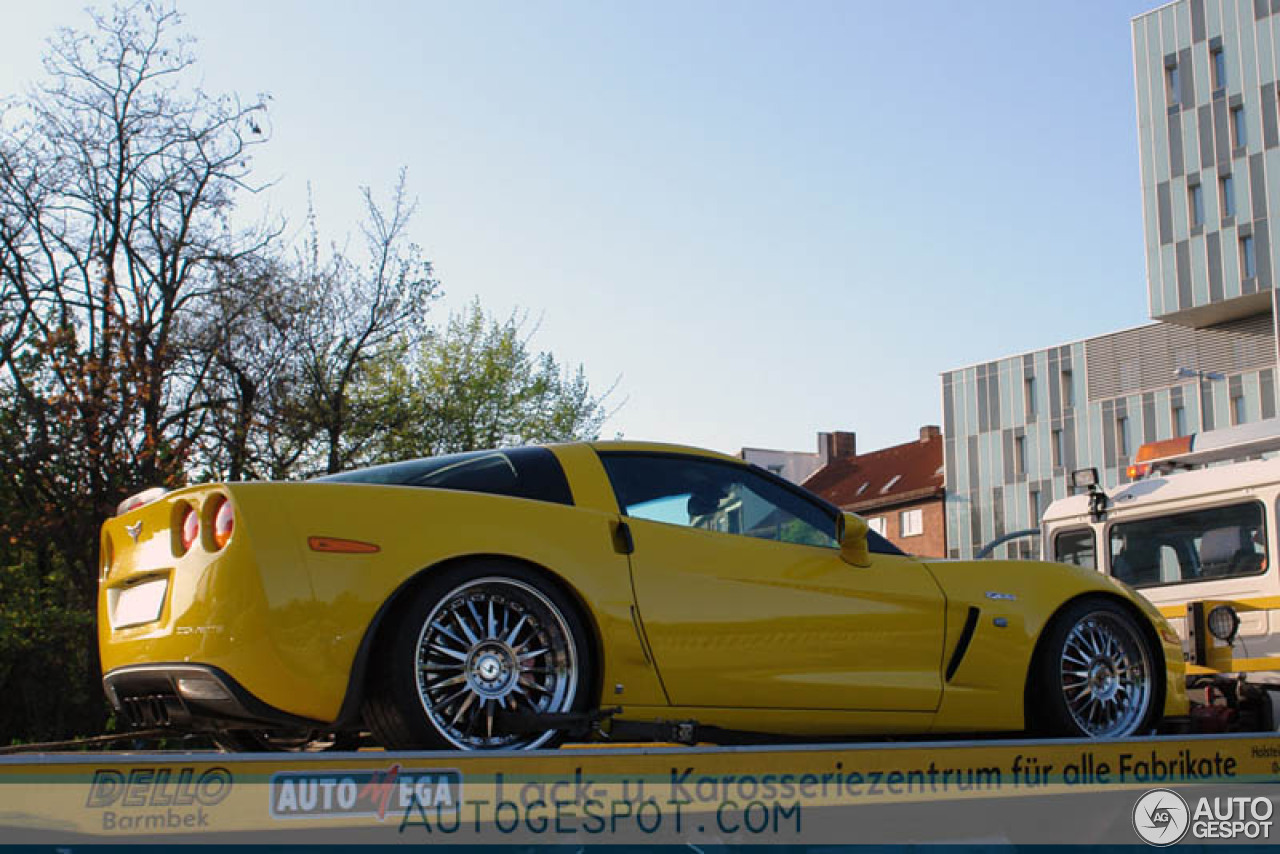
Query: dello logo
(158, 787)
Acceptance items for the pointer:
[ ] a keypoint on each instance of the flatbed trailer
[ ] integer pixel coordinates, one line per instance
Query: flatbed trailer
(991, 790)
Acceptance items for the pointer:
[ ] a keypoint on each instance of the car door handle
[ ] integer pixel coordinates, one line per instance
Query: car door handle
(623, 542)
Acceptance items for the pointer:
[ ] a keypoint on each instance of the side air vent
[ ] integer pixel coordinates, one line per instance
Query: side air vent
(962, 645)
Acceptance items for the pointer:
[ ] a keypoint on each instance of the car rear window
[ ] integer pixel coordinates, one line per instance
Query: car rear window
(532, 473)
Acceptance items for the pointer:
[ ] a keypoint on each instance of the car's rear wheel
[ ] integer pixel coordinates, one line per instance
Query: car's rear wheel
(1095, 675)
(476, 653)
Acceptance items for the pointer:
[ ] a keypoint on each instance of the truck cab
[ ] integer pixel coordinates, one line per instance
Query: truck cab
(1196, 530)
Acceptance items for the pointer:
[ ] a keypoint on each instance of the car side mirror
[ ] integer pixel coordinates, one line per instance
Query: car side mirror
(853, 540)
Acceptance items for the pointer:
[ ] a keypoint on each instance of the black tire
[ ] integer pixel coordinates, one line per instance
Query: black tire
(274, 741)
(1095, 675)
(481, 625)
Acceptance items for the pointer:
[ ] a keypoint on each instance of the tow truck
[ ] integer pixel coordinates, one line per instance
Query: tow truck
(1196, 529)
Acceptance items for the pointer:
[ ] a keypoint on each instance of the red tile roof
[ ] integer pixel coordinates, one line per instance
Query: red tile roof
(907, 472)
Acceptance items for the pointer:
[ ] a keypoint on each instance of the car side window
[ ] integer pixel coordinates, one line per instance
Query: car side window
(714, 496)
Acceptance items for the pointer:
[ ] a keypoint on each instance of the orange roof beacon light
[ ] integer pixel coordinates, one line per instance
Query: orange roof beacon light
(1213, 446)
(1159, 455)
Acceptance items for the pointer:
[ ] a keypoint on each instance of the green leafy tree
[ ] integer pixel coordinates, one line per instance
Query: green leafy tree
(477, 383)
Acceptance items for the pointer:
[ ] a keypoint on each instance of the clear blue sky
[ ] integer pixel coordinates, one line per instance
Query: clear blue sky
(768, 219)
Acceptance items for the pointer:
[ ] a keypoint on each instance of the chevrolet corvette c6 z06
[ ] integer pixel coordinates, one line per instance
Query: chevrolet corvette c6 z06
(495, 599)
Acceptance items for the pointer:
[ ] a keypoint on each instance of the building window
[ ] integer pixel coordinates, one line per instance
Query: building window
(1172, 85)
(1237, 409)
(1237, 127)
(1029, 392)
(1122, 436)
(1179, 421)
(1034, 506)
(1227, 190)
(1218, 60)
(1019, 454)
(877, 525)
(1068, 389)
(911, 522)
(1195, 201)
(1057, 448)
(1248, 258)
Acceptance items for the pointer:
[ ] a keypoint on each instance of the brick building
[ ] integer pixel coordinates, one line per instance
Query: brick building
(898, 490)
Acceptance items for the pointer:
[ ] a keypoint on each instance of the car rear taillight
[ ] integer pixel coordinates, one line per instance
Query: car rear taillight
(190, 528)
(224, 522)
(133, 502)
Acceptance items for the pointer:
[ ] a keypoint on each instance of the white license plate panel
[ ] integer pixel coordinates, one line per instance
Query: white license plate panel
(141, 603)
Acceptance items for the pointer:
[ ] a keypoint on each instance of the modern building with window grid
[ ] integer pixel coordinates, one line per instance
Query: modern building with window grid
(1206, 78)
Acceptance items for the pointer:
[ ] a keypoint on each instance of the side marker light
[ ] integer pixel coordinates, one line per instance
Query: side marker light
(337, 546)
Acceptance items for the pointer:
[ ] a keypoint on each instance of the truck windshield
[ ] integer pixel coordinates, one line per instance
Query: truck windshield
(1218, 542)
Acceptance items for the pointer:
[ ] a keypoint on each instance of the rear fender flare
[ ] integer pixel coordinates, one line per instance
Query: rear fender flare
(349, 712)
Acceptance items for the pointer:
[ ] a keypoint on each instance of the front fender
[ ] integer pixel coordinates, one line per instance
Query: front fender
(1015, 601)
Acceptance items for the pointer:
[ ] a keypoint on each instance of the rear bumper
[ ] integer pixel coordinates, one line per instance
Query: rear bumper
(190, 697)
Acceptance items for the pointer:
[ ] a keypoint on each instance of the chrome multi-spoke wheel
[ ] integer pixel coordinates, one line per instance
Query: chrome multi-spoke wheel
(1096, 673)
(494, 648)
(473, 659)
(1105, 674)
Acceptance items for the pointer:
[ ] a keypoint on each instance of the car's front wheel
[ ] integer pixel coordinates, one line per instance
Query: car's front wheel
(1096, 674)
(475, 655)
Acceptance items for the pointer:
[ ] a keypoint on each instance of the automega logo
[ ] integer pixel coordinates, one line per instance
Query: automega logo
(1161, 817)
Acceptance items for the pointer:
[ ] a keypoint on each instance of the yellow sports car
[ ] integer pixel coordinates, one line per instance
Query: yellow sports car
(501, 599)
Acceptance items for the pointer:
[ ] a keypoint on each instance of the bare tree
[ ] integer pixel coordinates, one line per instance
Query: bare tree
(250, 391)
(358, 312)
(117, 181)
(116, 185)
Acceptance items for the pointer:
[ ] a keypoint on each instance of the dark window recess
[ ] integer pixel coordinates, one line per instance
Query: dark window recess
(532, 473)
(1076, 548)
(1248, 258)
(1220, 542)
